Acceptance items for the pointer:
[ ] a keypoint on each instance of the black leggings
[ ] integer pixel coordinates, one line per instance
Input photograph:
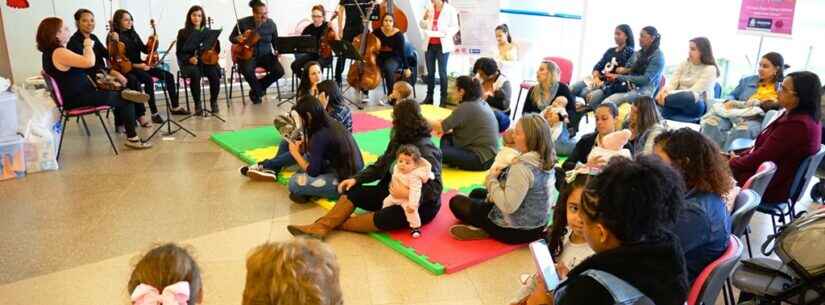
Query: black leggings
(475, 212)
(371, 198)
(124, 110)
(194, 73)
(145, 78)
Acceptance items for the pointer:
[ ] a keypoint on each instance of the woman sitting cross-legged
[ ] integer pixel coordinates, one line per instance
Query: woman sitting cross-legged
(683, 98)
(409, 127)
(470, 133)
(626, 212)
(518, 197)
(496, 89)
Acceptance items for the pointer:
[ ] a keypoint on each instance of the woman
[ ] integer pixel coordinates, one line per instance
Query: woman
(496, 90)
(703, 226)
(469, 138)
(605, 123)
(644, 72)
(192, 67)
(684, 96)
(517, 202)
(792, 137)
(507, 50)
(125, 32)
(614, 57)
(330, 154)
(549, 91)
(391, 56)
(68, 70)
(409, 127)
(645, 124)
(317, 29)
(440, 24)
(310, 77)
(636, 256)
(753, 101)
(333, 102)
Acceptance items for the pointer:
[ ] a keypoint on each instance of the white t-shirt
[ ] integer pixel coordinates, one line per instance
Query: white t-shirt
(574, 254)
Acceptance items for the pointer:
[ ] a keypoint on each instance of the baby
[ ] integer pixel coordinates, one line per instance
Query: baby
(611, 145)
(408, 175)
(507, 154)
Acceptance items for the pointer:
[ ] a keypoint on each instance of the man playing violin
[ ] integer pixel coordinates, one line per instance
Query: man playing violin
(263, 52)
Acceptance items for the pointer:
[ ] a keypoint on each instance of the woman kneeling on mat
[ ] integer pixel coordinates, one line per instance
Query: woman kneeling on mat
(518, 197)
(409, 127)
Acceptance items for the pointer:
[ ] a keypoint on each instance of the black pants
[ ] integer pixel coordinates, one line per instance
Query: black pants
(371, 198)
(195, 73)
(124, 110)
(274, 71)
(349, 35)
(460, 157)
(435, 58)
(145, 78)
(389, 65)
(474, 212)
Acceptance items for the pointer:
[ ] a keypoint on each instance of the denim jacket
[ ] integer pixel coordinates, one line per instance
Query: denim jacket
(648, 82)
(746, 88)
(703, 228)
(521, 194)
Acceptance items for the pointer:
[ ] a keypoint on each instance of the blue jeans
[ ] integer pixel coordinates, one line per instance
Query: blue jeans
(282, 158)
(460, 157)
(683, 106)
(580, 89)
(724, 130)
(432, 55)
(619, 99)
(503, 120)
(596, 97)
(564, 145)
(325, 185)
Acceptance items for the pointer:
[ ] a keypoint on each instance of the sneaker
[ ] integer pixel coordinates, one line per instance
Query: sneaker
(134, 96)
(157, 119)
(137, 144)
(262, 174)
(415, 232)
(299, 198)
(467, 232)
(245, 169)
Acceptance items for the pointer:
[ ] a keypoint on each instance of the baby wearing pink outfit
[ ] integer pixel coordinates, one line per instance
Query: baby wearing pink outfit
(408, 175)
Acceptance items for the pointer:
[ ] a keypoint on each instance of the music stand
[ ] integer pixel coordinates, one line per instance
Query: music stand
(295, 45)
(200, 41)
(169, 121)
(345, 50)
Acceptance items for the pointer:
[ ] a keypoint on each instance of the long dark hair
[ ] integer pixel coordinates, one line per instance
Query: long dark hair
(119, 16)
(305, 86)
(630, 42)
(555, 236)
(647, 114)
(705, 52)
(330, 88)
(644, 55)
(809, 91)
(698, 159)
(316, 118)
(777, 61)
(471, 87)
(408, 124)
(188, 24)
(506, 30)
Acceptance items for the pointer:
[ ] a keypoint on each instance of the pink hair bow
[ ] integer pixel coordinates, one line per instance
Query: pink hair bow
(175, 294)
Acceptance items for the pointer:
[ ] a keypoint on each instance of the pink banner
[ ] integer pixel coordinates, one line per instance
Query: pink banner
(767, 16)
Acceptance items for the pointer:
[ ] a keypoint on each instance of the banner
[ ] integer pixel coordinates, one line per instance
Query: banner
(767, 16)
(478, 20)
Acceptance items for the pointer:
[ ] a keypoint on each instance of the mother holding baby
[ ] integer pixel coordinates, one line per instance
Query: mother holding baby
(408, 128)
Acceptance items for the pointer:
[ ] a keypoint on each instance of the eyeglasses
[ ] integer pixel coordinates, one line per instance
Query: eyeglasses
(317, 16)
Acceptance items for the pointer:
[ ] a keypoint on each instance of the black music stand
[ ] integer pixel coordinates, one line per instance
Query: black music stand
(295, 45)
(169, 121)
(200, 41)
(345, 50)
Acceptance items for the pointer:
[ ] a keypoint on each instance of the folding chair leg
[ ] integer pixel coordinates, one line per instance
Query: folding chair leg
(86, 127)
(748, 242)
(62, 133)
(114, 148)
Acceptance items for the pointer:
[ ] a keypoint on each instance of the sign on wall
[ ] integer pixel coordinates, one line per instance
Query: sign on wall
(478, 20)
(767, 16)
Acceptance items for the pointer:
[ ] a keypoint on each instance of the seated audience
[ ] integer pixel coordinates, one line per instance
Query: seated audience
(626, 212)
(496, 89)
(402, 90)
(469, 138)
(549, 91)
(507, 50)
(645, 124)
(595, 87)
(684, 96)
(166, 269)
(333, 102)
(519, 197)
(298, 271)
(703, 226)
(643, 72)
(792, 137)
(753, 101)
(605, 124)
(310, 77)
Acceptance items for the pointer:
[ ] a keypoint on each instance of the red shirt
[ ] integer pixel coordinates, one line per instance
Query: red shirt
(435, 40)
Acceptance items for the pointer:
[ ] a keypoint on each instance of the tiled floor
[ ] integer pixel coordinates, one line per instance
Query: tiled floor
(71, 236)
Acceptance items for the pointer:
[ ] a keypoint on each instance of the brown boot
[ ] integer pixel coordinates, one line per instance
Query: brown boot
(361, 224)
(334, 218)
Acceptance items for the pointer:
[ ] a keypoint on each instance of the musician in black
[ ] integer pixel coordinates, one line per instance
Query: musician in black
(125, 32)
(350, 24)
(191, 65)
(316, 29)
(391, 55)
(85, 22)
(264, 55)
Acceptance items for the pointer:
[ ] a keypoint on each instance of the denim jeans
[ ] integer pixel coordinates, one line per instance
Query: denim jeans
(461, 158)
(596, 97)
(580, 89)
(282, 158)
(432, 55)
(724, 130)
(682, 105)
(620, 99)
(324, 185)
(564, 145)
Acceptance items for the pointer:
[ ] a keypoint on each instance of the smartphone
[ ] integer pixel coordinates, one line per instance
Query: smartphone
(545, 264)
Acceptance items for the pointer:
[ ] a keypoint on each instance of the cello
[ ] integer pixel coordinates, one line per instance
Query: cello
(324, 47)
(365, 74)
(388, 7)
(210, 55)
(117, 53)
(152, 57)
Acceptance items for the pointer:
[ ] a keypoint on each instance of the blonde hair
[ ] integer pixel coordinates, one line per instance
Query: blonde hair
(542, 90)
(165, 265)
(299, 271)
(537, 136)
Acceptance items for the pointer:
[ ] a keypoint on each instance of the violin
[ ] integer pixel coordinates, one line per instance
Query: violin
(244, 49)
(210, 56)
(117, 52)
(324, 47)
(152, 58)
(388, 7)
(365, 74)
